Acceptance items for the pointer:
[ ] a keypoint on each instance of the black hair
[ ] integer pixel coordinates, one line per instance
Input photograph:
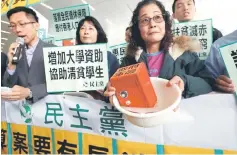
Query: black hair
(28, 11)
(136, 38)
(101, 37)
(173, 5)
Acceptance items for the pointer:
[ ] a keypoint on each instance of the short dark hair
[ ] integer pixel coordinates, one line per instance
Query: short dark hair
(173, 5)
(28, 11)
(136, 38)
(101, 36)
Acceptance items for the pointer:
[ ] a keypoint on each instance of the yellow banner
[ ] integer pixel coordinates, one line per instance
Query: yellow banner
(42, 140)
(229, 152)
(30, 2)
(16, 3)
(66, 142)
(93, 144)
(4, 138)
(186, 150)
(125, 147)
(19, 139)
(5, 5)
(37, 140)
(9, 4)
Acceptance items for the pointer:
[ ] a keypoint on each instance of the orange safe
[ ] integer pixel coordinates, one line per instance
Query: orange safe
(133, 86)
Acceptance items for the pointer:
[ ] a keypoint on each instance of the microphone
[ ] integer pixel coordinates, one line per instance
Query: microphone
(18, 50)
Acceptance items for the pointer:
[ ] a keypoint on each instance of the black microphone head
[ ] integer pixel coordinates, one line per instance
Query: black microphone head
(17, 52)
(20, 40)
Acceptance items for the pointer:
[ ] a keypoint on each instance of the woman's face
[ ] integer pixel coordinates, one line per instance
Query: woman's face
(88, 33)
(151, 24)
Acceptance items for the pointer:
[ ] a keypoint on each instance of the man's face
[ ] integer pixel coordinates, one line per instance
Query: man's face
(24, 26)
(184, 10)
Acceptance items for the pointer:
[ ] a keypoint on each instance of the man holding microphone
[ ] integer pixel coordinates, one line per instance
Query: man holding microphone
(26, 78)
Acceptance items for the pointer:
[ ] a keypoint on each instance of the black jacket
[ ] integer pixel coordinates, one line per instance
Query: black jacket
(186, 64)
(3, 66)
(216, 34)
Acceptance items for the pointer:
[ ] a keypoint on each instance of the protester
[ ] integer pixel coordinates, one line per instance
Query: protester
(216, 65)
(184, 11)
(151, 30)
(27, 78)
(90, 31)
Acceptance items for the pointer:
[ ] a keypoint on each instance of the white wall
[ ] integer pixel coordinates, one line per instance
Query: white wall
(44, 22)
(223, 13)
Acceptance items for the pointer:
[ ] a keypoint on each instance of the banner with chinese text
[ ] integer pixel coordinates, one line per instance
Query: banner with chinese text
(37, 140)
(5, 6)
(201, 30)
(229, 55)
(118, 51)
(9, 4)
(65, 20)
(16, 3)
(61, 124)
(76, 68)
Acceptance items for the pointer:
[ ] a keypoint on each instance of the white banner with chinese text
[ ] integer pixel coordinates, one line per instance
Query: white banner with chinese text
(200, 30)
(229, 55)
(215, 123)
(65, 20)
(119, 51)
(76, 68)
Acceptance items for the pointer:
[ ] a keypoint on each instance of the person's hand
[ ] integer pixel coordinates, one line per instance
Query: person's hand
(17, 93)
(178, 81)
(225, 84)
(10, 54)
(110, 91)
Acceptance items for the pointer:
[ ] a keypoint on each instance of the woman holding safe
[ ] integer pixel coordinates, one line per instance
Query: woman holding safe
(165, 57)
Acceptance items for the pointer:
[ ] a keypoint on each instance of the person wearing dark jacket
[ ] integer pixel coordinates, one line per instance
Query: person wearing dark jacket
(184, 11)
(3, 66)
(165, 57)
(27, 78)
(89, 31)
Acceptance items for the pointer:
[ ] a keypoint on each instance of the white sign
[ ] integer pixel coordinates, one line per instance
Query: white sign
(83, 115)
(200, 30)
(49, 40)
(119, 51)
(229, 55)
(76, 68)
(65, 20)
